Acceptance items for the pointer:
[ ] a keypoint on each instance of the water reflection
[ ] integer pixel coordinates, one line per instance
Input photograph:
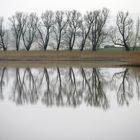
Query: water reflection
(69, 86)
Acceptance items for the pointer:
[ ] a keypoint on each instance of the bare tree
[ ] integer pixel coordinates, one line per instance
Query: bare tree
(45, 28)
(86, 27)
(123, 33)
(61, 21)
(3, 36)
(29, 31)
(97, 30)
(73, 27)
(18, 22)
(137, 34)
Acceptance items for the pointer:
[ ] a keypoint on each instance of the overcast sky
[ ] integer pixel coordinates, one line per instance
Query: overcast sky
(8, 7)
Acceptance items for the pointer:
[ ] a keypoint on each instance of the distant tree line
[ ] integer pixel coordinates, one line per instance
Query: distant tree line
(69, 30)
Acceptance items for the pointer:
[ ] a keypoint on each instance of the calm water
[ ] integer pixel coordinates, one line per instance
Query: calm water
(69, 103)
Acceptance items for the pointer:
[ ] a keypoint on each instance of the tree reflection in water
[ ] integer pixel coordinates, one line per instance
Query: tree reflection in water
(67, 86)
(48, 95)
(125, 86)
(95, 94)
(74, 95)
(24, 88)
(2, 80)
(137, 79)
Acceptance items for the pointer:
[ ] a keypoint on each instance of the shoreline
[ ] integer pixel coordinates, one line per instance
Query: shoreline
(69, 58)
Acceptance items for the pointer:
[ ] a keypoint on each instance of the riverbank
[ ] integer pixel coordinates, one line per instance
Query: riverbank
(68, 58)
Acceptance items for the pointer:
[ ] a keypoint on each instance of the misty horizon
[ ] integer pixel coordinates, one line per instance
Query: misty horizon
(40, 6)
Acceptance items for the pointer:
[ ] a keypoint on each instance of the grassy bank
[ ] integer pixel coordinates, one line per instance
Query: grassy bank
(69, 58)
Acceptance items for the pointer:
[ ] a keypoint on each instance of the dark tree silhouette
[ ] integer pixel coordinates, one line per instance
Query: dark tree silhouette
(70, 29)
(3, 36)
(45, 28)
(73, 27)
(61, 22)
(137, 35)
(97, 30)
(124, 29)
(86, 27)
(29, 31)
(18, 22)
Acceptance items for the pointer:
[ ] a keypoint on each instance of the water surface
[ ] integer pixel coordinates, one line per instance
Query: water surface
(69, 103)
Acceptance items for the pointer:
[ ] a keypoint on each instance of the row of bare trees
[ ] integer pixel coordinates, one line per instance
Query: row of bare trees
(70, 30)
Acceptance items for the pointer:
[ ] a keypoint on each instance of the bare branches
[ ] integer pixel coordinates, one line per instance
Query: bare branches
(73, 27)
(97, 32)
(124, 25)
(61, 22)
(45, 28)
(137, 35)
(18, 22)
(3, 36)
(29, 31)
(70, 29)
(85, 28)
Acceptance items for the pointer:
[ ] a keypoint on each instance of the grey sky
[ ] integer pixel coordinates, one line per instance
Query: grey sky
(8, 7)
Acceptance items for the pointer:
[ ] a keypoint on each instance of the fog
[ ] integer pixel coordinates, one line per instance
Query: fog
(8, 7)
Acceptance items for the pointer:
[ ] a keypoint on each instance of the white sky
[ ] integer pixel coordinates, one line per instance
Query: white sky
(8, 7)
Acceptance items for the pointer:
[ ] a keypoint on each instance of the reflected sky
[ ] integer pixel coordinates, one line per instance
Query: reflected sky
(69, 103)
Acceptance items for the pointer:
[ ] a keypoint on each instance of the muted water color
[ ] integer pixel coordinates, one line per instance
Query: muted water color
(69, 103)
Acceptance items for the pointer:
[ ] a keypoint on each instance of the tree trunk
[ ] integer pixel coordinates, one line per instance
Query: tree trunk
(4, 48)
(127, 48)
(82, 45)
(94, 48)
(58, 45)
(59, 41)
(46, 45)
(70, 48)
